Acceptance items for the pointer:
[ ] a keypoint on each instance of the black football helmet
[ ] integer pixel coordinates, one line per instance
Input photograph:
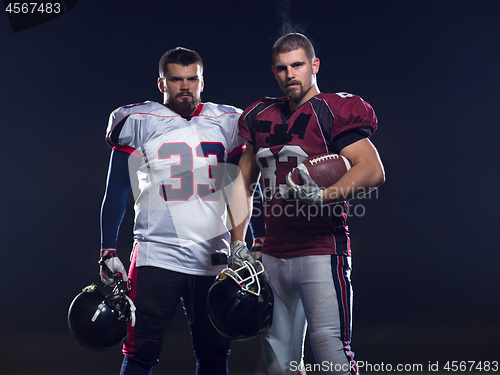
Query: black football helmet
(99, 316)
(240, 302)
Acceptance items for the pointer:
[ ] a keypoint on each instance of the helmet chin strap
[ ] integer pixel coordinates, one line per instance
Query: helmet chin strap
(103, 305)
(132, 311)
(113, 297)
(98, 311)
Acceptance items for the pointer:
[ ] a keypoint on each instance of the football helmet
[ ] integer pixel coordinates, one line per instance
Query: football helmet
(99, 316)
(240, 302)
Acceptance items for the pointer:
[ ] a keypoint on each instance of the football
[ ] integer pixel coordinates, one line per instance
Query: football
(324, 169)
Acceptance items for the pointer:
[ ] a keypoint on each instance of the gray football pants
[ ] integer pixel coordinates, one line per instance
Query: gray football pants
(309, 292)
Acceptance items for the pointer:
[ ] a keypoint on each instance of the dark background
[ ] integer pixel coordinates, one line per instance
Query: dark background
(425, 252)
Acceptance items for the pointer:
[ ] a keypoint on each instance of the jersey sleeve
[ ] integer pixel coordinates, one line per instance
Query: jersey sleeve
(246, 122)
(347, 138)
(124, 129)
(352, 112)
(244, 132)
(237, 142)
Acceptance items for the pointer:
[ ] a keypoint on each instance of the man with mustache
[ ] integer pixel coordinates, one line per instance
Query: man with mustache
(307, 248)
(179, 149)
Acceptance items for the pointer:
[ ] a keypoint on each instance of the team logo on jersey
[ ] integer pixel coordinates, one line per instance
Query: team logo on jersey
(281, 136)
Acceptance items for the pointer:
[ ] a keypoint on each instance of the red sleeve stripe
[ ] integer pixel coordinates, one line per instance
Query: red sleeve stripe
(129, 150)
(237, 150)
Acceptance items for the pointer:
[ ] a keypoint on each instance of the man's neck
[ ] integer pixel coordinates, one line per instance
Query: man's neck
(311, 93)
(186, 114)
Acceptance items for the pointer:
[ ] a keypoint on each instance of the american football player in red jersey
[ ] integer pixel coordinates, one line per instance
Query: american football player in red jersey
(307, 247)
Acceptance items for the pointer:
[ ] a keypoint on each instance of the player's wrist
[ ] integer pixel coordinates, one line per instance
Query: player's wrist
(237, 243)
(331, 196)
(107, 251)
(256, 250)
(240, 254)
(258, 243)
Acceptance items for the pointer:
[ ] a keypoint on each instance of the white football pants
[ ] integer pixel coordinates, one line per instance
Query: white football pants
(315, 292)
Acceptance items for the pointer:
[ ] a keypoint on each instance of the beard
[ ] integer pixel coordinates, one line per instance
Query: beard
(183, 105)
(294, 94)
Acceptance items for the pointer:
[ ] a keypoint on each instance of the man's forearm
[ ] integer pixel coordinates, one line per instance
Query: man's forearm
(241, 200)
(240, 208)
(115, 199)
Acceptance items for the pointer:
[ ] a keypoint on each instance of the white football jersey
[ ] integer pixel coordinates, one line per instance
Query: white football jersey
(180, 203)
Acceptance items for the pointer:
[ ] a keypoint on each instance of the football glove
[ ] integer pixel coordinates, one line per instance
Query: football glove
(111, 267)
(240, 253)
(309, 193)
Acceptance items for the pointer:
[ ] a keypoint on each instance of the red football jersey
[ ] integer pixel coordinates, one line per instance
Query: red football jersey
(282, 141)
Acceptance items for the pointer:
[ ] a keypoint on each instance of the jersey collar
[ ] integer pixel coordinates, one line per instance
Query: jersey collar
(198, 110)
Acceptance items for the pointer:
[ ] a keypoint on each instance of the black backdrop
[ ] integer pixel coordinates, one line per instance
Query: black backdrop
(425, 249)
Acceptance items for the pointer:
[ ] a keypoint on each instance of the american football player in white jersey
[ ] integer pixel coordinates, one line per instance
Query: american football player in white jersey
(180, 150)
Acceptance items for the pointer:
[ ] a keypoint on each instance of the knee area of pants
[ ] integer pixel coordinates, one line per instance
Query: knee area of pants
(325, 335)
(146, 354)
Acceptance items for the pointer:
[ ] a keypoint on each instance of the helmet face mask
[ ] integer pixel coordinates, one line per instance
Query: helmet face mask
(98, 317)
(247, 276)
(240, 302)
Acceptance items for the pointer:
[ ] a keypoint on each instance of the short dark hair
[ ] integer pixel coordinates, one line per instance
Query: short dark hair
(291, 42)
(181, 56)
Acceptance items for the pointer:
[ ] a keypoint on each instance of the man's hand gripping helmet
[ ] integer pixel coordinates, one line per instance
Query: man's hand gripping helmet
(240, 302)
(99, 316)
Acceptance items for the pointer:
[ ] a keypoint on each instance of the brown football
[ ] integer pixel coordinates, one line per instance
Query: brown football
(324, 169)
